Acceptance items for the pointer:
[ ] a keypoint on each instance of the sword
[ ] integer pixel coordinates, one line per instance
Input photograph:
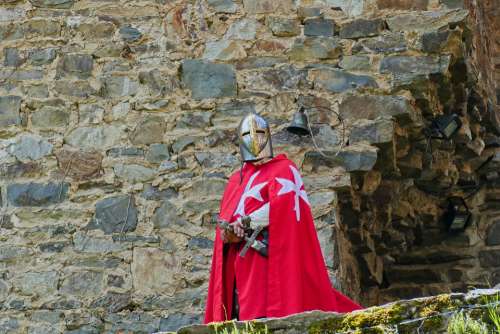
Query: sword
(251, 241)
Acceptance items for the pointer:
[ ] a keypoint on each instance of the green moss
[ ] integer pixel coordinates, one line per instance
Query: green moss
(436, 306)
(434, 323)
(331, 325)
(371, 321)
(374, 316)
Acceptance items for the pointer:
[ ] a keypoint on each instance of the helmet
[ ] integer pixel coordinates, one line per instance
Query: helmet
(255, 138)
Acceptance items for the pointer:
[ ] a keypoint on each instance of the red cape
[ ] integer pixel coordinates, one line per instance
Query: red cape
(296, 279)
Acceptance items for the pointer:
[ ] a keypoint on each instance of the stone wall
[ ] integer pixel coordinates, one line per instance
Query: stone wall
(118, 134)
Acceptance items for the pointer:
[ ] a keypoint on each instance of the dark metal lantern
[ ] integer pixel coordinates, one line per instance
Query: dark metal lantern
(457, 216)
(299, 125)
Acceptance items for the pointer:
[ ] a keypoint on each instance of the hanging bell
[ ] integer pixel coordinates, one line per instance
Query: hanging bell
(299, 125)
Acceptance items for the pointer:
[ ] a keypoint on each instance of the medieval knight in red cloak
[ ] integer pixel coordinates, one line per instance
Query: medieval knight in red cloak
(286, 274)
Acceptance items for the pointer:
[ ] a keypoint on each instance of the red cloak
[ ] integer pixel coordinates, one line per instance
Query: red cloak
(293, 278)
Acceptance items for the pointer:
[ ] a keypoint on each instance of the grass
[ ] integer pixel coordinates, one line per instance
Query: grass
(250, 328)
(494, 311)
(462, 323)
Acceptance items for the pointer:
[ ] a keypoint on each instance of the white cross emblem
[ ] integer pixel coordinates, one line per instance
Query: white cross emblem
(295, 186)
(250, 191)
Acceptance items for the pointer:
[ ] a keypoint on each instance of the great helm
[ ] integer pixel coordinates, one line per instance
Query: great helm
(255, 138)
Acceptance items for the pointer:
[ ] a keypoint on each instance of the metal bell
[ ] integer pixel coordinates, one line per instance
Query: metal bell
(299, 125)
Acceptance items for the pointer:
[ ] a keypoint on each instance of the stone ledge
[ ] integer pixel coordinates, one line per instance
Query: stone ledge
(430, 314)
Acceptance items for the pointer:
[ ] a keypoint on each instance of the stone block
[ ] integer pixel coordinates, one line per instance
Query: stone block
(177, 320)
(356, 107)
(11, 13)
(59, 4)
(20, 169)
(269, 47)
(319, 27)
(38, 283)
(10, 106)
(90, 113)
(268, 6)
(349, 7)
(79, 164)
(425, 21)
(305, 12)
(119, 86)
(12, 252)
(198, 242)
(315, 48)
(41, 28)
(159, 82)
(244, 29)
(12, 57)
(493, 238)
(130, 34)
(223, 6)
(116, 214)
(355, 63)
(374, 132)
(75, 65)
(225, 50)
(452, 4)
(403, 4)
(338, 81)
(415, 65)
(78, 88)
(36, 90)
(39, 57)
(116, 281)
(283, 27)
(83, 283)
(49, 117)
(134, 173)
(90, 138)
(9, 325)
(489, 258)
(436, 41)
(51, 317)
(260, 62)
(113, 302)
(208, 80)
(358, 158)
(153, 271)
(157, 153)
(134, 322)
(280, 79)
(166, 215)
(194, 119)
(53, 246)
(150, 130)
(96, 30)
(236, 108)
(216, 160)
(154, 193)
(11, 31)
(181, 143)
(36, 194)
(117, 152)
(361, 28)
(88, 244)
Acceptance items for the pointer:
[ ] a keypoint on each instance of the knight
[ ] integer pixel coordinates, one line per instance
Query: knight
(267, 261)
